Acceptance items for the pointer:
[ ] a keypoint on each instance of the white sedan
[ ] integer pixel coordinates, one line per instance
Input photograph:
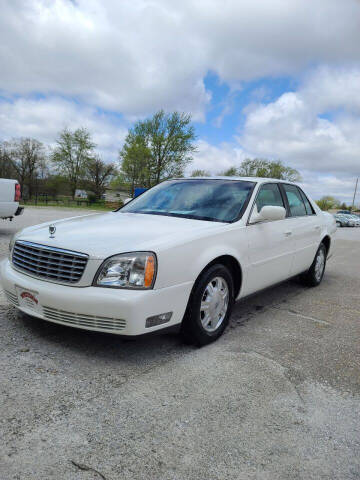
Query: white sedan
(179, 255)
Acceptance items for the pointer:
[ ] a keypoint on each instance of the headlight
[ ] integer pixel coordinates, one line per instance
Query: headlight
(129, 270)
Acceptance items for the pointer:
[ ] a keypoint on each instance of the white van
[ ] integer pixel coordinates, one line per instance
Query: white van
(10, 195)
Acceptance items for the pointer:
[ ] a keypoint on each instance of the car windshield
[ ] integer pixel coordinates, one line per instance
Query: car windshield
(200, 199)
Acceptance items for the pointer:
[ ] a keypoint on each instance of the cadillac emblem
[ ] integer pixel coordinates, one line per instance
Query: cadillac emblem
(52, 230)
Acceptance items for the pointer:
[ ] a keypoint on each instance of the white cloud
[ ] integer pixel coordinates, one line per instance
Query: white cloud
(319, 185)
(293, 127)
(44, 118)
(216, 159)
(63, 63)
(138, 56)
(314, 129)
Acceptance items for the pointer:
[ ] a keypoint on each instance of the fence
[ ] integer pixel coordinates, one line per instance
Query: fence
(47, 200)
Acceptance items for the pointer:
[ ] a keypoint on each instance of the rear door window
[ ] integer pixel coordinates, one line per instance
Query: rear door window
(294, 198)
(308, 207)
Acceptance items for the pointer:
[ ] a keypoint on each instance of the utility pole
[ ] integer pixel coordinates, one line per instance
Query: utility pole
(352, 208)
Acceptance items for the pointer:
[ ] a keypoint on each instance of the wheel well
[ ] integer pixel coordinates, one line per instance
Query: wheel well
(233, 265)
(326, 241)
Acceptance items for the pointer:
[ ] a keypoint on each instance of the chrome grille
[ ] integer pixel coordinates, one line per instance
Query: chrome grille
(51, 263)
(82, 320)
(12, 298)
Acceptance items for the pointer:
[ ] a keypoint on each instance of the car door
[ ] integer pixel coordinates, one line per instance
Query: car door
(270, 244)
(305, 226)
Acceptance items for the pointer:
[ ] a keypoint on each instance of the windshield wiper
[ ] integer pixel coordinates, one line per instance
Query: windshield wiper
(179, 215)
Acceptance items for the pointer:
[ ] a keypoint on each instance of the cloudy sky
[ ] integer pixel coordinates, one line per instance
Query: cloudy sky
(271, 78)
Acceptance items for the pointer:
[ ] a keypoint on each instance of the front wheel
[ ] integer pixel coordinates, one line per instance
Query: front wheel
(209, 306)
(315, 273)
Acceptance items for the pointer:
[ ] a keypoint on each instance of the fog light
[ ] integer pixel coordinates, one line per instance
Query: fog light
(158, 319)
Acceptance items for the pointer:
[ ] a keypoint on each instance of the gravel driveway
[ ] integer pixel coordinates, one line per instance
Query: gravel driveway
(277, 397)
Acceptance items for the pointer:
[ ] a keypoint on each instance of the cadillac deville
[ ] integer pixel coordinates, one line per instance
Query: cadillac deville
(179, 256)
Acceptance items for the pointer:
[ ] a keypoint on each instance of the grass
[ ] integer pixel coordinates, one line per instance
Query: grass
(74, 205)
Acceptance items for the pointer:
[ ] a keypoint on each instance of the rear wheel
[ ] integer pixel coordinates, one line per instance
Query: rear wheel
(315, 273)
(209, 306)
(338, 224)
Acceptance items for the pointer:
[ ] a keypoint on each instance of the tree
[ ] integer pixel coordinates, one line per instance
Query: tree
(168, 139)
(98, 175)
(259, 167)
(327, 203)
(229, 172)
(54, 185)
(71, 154)
(7, 169)
(29, 159)
(135, 159)
(200, 173)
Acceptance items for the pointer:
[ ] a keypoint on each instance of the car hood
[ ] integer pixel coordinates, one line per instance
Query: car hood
(103, 235)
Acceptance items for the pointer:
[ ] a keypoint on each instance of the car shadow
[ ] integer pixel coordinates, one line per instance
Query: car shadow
(103, 346)
(112, 347)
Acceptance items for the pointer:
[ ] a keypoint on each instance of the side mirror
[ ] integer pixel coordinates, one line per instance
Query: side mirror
(269, 213)
(127, 200)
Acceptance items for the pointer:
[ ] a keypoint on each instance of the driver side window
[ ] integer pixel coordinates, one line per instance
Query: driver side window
(269, 194)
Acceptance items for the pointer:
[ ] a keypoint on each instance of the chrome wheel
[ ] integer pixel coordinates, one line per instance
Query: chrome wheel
(214, 304)
(319, 265)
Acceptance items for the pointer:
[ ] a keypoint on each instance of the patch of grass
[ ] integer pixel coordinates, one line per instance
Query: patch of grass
(76, 205)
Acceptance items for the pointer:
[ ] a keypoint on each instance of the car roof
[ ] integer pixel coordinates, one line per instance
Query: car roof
(246, 179)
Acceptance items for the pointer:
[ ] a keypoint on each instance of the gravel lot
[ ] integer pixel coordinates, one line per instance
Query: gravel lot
(277, 397)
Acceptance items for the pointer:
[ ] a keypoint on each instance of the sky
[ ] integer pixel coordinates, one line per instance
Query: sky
(277, 79)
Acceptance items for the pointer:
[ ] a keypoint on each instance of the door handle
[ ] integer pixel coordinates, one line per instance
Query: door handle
(287, 234)
(317, 227)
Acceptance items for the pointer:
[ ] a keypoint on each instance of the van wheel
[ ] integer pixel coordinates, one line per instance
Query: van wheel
(315, 273)
(209, 307)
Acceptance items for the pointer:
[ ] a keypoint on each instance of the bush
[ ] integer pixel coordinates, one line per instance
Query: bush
(92, 198)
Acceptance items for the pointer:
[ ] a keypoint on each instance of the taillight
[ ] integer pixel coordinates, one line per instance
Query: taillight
(17, 192)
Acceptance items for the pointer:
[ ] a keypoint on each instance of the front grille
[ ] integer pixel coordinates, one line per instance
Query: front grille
(81, 320)
(51, 263)
(13, 299)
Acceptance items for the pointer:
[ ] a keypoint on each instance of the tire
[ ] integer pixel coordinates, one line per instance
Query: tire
(338, 224)
(207, 314)
(314, 275)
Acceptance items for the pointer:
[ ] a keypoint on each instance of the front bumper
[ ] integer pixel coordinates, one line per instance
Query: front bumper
(122, 312)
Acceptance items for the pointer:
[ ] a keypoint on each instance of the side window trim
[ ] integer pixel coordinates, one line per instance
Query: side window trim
(285, 199)
(256, 197)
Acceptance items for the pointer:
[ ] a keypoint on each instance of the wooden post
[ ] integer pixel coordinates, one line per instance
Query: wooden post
(353, 202)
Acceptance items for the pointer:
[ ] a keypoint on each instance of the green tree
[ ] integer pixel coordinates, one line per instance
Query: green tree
(55, 185)
(229, 172)
(169, 140)
(259, 167)
(98, 175)
(200, 173)
(327, 202)
(71, 155)
(136, 160)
